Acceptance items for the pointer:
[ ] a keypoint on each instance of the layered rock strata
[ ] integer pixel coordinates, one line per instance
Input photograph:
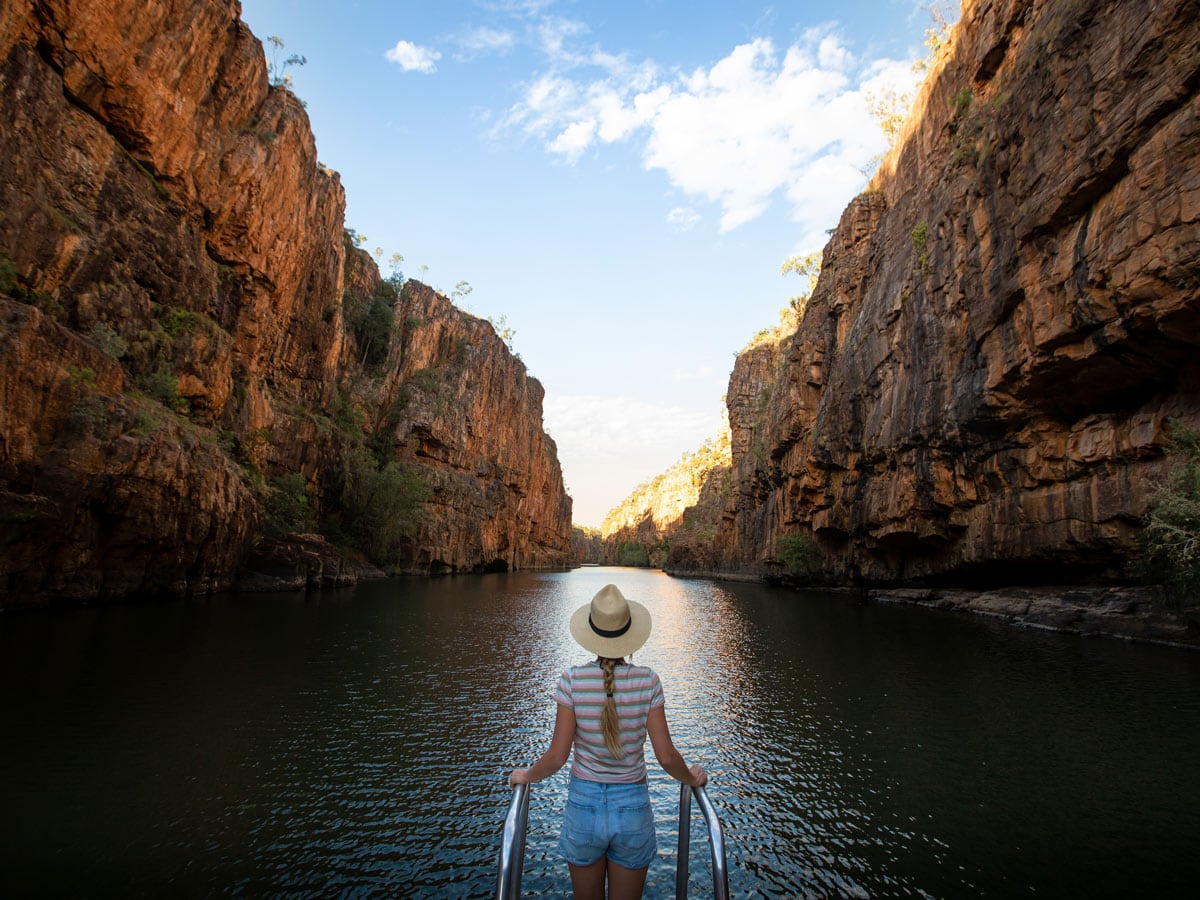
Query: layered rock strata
(1005, 323)
(1005, 320)
(177, 336)
(458, 407)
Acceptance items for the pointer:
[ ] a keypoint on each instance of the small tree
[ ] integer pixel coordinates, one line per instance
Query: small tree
(396, 279)
(503, 331)
(382, 505)
(890, 108)
(277, 69)
(374, 330)
(937, 35)
(288, 505)
(1171, 539)
(808, 267)
(461, 291)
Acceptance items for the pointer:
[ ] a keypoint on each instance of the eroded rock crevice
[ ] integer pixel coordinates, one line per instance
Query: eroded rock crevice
(178, 354)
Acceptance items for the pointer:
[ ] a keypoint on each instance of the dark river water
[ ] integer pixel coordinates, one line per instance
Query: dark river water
(356, 743)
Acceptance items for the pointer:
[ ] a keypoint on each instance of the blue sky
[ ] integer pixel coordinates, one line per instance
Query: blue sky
(621, 181)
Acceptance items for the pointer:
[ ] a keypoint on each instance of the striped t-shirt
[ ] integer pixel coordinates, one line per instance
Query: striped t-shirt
(636, 690)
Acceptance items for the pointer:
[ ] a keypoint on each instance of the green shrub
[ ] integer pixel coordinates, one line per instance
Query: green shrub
(11, 283)
(8, 273)
(381, 506)
(288, 505)
(163, 386)
(1171, 538)
(631, 553)
(962, 101)
(374, 330)
(106, 338)
(82, 378)
(799, 554)
(462, 350)
(428, 380)
(347, 416)
(180, 321)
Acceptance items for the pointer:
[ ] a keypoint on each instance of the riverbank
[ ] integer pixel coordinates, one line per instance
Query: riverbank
(1128, 613)
(1131, 613)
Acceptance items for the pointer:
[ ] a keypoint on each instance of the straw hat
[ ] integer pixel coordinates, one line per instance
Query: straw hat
(610, 625)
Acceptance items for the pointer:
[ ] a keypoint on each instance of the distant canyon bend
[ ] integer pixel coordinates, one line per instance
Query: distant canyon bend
(205, 385)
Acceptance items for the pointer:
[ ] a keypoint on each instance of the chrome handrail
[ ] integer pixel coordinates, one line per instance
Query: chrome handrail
(716, 842)
(512, 845)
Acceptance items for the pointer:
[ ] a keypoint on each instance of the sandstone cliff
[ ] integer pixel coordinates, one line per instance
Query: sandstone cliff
(451, 402)
(640, 530)
(1004, 322)
(179, 331)
(587, 546)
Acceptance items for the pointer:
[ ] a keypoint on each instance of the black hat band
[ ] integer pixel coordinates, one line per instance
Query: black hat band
(610, 634)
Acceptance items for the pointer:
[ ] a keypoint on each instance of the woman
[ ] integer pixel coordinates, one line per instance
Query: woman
(605, 710)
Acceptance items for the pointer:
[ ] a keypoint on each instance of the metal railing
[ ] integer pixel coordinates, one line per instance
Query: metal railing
(716, 843)
(512, 844)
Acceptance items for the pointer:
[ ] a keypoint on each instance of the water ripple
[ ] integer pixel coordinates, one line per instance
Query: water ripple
(356, 744)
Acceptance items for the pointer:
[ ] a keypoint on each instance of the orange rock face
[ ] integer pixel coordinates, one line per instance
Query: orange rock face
(1004, 322)
(462, 411)
(671, 509)
(173, 275)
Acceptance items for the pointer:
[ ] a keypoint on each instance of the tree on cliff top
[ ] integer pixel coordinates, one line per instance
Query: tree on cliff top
(890, 108)
(807, 267)
(277, 69)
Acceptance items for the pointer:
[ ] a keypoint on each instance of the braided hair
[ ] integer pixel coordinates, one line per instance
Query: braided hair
(610, 723)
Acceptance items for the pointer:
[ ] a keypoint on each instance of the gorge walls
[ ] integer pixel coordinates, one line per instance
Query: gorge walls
(682, 503)
(1005, 321)
(451, 402)
(183, 358)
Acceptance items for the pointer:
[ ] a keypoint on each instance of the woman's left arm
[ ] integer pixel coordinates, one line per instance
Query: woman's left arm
(552, 760)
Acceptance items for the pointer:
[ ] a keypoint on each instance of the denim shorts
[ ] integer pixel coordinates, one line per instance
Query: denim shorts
(608, 819)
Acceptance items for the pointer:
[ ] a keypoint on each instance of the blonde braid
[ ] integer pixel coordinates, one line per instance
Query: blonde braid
(610, 723)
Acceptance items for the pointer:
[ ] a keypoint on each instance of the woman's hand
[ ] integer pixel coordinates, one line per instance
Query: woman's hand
(552, 760)
(699, 776)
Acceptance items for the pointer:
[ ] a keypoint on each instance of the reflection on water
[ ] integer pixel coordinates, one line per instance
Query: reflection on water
(357, 743)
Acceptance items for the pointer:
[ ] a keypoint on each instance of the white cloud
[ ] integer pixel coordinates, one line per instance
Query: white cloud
(682, 218)
(488, 40)
(594, 425)
(412, 58)
(553, 33)
(832, 55)
(756, 126)
(573, 140)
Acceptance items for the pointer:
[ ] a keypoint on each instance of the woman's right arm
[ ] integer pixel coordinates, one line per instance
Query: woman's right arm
(554, 757)
(666, 754)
